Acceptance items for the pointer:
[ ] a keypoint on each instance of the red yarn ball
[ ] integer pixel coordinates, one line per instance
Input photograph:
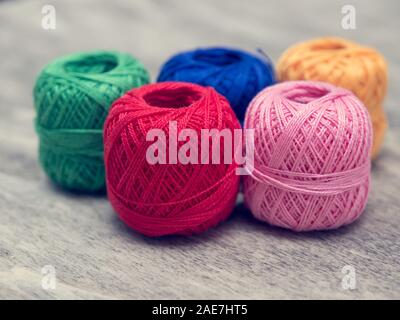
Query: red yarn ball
(162, 199)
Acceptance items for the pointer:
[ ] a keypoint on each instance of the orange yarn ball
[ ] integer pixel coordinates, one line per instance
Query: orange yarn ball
(346, 64)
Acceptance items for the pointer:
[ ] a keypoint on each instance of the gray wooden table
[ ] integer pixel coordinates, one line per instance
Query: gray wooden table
(93, 254)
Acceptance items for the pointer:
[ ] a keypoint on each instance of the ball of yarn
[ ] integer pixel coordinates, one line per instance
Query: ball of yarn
(235, 74)
(311, 161)
(162, 199)
(72, 96)
(346, 64)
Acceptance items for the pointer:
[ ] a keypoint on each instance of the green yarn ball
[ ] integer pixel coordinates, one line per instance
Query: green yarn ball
(72, 96)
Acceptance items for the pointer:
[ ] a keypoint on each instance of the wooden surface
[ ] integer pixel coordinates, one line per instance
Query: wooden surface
(97, 256)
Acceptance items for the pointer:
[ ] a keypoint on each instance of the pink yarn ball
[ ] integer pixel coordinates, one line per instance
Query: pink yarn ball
(312, 145)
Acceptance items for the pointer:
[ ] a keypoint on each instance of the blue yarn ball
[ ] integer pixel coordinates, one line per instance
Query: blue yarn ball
(235, 74)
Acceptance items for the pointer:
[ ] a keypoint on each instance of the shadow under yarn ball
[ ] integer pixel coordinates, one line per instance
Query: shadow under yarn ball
(168, 197)
(72, 96)
(235, 74)
(312, 145)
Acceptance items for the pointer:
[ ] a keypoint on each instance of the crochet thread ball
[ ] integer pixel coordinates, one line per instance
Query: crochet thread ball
(72, 96)
(312, 156)
(163, 199)
(346, 64)
(235, 74)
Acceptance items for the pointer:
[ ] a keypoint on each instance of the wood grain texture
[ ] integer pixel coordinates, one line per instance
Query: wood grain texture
(95, 255)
